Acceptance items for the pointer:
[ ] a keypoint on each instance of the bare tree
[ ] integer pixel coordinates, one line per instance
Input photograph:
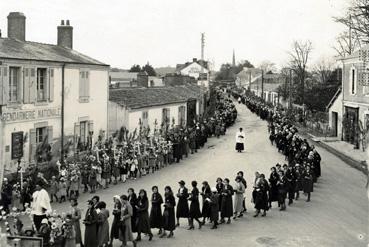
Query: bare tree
(323, 69)
(299, 56)
(267, 66)
(357, 19)
(346, 44)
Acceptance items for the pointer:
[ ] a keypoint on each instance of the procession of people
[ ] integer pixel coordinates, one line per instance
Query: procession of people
(212, 203)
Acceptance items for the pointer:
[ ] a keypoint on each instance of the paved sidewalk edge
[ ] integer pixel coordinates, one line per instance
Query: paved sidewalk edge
(361, 166)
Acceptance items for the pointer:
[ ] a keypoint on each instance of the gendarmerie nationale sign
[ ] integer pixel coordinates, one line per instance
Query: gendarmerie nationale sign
(28, 115)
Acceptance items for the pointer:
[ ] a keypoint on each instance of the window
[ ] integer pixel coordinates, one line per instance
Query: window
(353, 81)
(13, 83)
(145, 118)
(83, 130)
(41, 134)
(41, 84)
(182, 116)
(166, 116)
(84, 86)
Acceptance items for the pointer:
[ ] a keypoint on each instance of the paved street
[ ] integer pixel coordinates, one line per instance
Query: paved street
(336, 216)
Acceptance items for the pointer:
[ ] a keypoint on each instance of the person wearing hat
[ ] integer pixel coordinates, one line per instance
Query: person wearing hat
(182, 206)
(194, 212)
(40, 205)
(227, 203)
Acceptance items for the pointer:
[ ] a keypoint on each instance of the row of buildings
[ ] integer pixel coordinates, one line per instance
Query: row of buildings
(49, 91)
(349, 108)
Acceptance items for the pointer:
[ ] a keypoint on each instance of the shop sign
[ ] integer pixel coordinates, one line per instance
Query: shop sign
(29, 115)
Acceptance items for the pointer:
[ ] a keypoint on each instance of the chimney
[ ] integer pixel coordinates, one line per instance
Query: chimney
(194, 60)
(65, 34)
(17, 26)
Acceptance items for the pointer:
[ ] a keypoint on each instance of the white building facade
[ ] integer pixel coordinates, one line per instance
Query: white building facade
(47, 90)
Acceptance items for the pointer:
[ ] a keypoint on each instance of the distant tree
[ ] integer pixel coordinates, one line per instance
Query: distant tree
(343, 46)
(229, 72)
(299, 57)
(135, 68)
(267, 66)
(322, 70)
(149, 70)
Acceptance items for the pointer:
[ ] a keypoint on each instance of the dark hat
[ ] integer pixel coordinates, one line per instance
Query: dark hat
(182, 182)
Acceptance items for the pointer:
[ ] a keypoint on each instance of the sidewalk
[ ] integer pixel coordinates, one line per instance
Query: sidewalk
(345, 151)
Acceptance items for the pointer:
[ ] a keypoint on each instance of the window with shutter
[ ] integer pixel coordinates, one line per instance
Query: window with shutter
(13, 84)
(51, 85)
(50, 134)
(26, 85)
(32, 85)
(5, 84)
(1, 87)
(41, 84)
(84, 86)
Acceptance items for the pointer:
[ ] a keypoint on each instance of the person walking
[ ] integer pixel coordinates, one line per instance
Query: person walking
(243, 181)
(132, 198)
(227, 203)
(195, 212)
(206, 207)
(40, 205)
(282, 190)
(168, 214)
(76, 217)
(90, 222)
(156, 216)
(125, 233)
(103, 224)
(117, 213)
(240, 139)
(273, 191)
(182, 206)
(213, 200)
(143, 222)
(239, 190)
(308, 183)
(261, 196)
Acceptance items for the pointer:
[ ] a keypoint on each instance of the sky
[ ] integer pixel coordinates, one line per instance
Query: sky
(167, 32)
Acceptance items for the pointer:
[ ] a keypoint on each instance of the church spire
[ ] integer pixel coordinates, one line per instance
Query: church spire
(233, 59)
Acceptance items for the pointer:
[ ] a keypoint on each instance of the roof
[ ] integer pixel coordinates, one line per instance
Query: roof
(180, 67)
(27, 50)
(136, 98)
(123, 76)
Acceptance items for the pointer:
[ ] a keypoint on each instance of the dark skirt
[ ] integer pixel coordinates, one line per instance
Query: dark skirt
(156, 217)
(143, 222)
(226, 207)
(182, 208)
(169, 219)
(261, 200)
(239, 146)
(195, 209)
(206, 209)
(308, 185)
(115, 226)
(273, 194)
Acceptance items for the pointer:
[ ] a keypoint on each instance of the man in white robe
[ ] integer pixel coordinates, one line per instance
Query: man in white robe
(40, 205)
(240, 139)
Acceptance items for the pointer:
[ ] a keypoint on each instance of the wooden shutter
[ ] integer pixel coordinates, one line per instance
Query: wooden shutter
(81, 84)
(5, 91)
(87, 85)
(1, 87)
(51, 85)
(26, 85)
(20, 85)
(32, 144)
(50, 134)
(90, 126)
(77, 130)
(32, 85)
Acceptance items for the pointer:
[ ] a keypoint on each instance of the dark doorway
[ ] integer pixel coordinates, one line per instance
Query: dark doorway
(351, 121)
(335, 123)
(191, 112)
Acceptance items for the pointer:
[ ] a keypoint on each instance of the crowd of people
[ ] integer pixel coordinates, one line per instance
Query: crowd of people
(302, 168)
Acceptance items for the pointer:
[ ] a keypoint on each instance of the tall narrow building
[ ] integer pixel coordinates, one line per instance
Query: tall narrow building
(233, 59)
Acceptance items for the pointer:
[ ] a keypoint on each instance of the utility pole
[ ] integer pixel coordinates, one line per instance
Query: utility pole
(202, 51)
(262, 84)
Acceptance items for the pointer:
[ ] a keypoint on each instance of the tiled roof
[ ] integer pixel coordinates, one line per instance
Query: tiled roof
(26, 50)
(135, 98)
(123, 76)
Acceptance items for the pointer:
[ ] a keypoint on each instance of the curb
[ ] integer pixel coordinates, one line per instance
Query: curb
(361, 166)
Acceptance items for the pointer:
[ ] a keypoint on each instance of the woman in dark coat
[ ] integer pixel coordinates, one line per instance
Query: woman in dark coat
(195, 212)
(261, 196)
(308, 182)
(182, 207)
(214, 208)
(219, 186)
(90, 222)
(299, 181)
(273, 192)
(168, 214)
(76, 217)
(115, 226)
(156, 216)
(206, 208)
(143, 222)
(282, 190)
(227, 202)
(132, 198)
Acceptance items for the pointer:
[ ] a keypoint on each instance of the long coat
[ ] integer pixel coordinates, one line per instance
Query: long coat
(168, 215)
(195, 204)
(76, 216)
(206, 207)
(282, 189)
(103, 229)
(125, 233)
(308, 182)
(238, 198)
(143, 222)
(273, 192)
(182, 207)
(227, 203)
(214, 207)
(156, 216)
(219, 187)
(90, 222)
(261, 196)
(117, 212)
(133, 202)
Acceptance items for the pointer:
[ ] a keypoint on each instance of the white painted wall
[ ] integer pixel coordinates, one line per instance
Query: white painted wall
(337, 107)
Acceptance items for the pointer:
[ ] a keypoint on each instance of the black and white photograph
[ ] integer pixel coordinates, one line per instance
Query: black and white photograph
(186, 123)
